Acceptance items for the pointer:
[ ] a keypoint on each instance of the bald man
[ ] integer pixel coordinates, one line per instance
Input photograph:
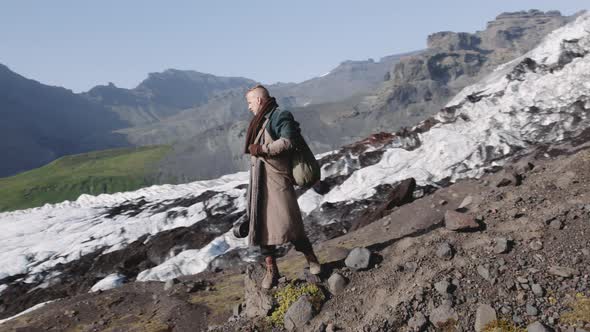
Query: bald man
(272, 206)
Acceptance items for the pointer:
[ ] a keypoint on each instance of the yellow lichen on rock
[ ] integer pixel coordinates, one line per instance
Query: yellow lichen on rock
(286, 296)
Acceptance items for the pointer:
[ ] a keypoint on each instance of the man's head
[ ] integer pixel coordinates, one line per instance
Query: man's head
(256, 98)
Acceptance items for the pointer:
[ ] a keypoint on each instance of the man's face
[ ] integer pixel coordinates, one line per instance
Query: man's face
(254, 103)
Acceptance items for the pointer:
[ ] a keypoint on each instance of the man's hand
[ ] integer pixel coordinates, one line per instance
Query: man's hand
(255, 150)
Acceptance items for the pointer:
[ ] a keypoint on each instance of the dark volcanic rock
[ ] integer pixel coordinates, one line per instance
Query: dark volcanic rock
(399, 195)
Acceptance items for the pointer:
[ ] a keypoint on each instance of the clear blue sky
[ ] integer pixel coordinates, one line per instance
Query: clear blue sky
(79, 44)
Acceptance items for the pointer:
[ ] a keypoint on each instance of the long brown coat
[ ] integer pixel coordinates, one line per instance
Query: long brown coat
(275, 217)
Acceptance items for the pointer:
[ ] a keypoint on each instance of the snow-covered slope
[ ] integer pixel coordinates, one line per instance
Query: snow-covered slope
(541, 97)
(35, 240)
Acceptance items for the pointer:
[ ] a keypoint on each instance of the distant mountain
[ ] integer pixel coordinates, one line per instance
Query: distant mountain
(350, 78)
(204, 136)
(195, 112)
(41, 123)
(163, 94)
(413, 87)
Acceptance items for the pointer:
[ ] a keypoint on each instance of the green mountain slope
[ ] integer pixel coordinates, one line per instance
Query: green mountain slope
(96, 172)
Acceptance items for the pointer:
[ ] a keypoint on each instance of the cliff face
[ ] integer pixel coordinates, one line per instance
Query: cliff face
(420, 85)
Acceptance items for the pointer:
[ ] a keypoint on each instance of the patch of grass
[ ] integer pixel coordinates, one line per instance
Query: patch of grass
(228, 292)
(502, 325)
(292, 267)
(285, 297)
(580, 312)
(97, 172)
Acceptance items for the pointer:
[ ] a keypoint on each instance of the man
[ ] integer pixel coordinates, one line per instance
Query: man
(272, 206)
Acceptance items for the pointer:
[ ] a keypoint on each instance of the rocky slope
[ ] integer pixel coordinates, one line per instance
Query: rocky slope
(516, 253)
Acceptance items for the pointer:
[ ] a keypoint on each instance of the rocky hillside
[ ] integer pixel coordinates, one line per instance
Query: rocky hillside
(504, 161)
(420, 85)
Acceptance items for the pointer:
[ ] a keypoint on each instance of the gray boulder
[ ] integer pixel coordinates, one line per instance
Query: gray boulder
(442, 314)
(484, 315)
(358, 258)
(562, 271)
(258, 301)
(444, 251)
(501, 245)
(336, 283)
(538, 327)
(417, 322)
(298, 314)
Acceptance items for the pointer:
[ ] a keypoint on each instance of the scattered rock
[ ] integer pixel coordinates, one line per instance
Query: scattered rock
(442, 202)
(386, 223)
(310, 277)
(417, 322)
(443, 314)
(523, 168)
(330, 327)
(537, 327)
(531, 310)
(457, 221)
(444, 251)
(358, 258)
(509, 178)
(336, 283)
(466, 202)
(298, 314)
(556, 224)
(70, 313)
(442, 287)
(561, 271)
(484, 315)
(536, 245)
(484, 272)
(410, 267)
(170, 283)
(538, 290)
(501, 245)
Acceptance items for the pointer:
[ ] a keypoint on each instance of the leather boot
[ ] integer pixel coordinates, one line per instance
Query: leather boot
(315, 267)
(271, 278)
